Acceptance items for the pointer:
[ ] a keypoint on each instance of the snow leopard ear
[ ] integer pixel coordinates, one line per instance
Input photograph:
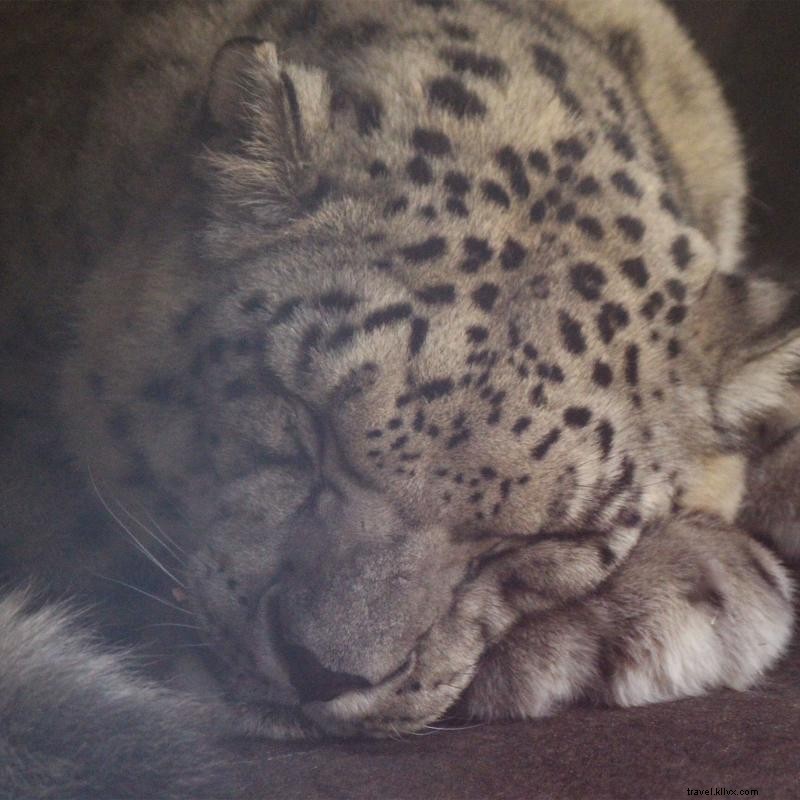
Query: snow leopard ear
(264, 124)
(755, 341)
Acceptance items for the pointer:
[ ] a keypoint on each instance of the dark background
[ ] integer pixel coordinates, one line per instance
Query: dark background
(754, 48)
(726, 740)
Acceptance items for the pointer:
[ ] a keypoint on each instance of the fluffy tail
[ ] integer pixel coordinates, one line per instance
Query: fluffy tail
(76, 722)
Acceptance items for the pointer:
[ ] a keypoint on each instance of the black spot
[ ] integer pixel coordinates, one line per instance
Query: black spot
(676, 314)
(590, 226)
(429, 141)
(540, 451)
(622, 143)
(539, 161)
(614, 102)
(667, 202)
(341, 336)
(508, 160)
(522, 424)
(681, 254)
(394, 423)
(632, 364)
(549, 64)
(374, 433)
(605, 435)
(572, 333)
(160, 389)
(399, 442)
(652, 305)
(119, 425)
(631, 227)
(612, 317)
(553, 196)
(495, 193)
(480, 65)
(419, 171)
(450, 94)
(436, 5)
(564, 173)
(673, 348)
(538, 211)
(427, 211)
(588, 280)
(566, 213)
(625, 184)
(457, 31)
(635, 271)
(192, 314)
(570, 148)
(382, 264)
(378, 169)
(530, 351)
(602, 374)
(437, 293)
(456, 182)
(577, 416)
(395, 206)
(477, 334)
(570, 100)
(512, 255)
(478, 252)
(607, 555)
(457, 438)
(625, 49)
(387, 316)
(436, 388)
(456, 207)
(338, 300)
(428, 250)
(419, 332)
(368, 116)
(587, 186)
(676, 289)
(485, 295)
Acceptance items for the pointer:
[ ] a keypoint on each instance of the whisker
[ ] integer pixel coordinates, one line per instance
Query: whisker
(130, 533)
(146, 594)
(148, 531)
(175, 625)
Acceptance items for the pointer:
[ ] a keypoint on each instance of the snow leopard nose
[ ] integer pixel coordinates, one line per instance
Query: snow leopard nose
(310, 678)
(312, 681)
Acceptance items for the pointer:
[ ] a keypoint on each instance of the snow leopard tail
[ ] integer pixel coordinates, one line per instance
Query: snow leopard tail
(76, 722)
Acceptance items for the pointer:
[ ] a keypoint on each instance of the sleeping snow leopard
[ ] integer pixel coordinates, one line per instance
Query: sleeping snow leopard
(408, 337)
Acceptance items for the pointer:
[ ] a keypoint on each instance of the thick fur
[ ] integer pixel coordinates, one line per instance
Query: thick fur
(78, 723)
(409, 338)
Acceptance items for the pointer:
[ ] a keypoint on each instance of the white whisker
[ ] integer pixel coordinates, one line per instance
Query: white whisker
(130, 533)
(146, 594)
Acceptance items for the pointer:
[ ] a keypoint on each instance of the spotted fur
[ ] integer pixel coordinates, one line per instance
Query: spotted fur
(413, 331)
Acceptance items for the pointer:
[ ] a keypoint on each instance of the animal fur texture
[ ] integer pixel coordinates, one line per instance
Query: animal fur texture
(407, 338)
